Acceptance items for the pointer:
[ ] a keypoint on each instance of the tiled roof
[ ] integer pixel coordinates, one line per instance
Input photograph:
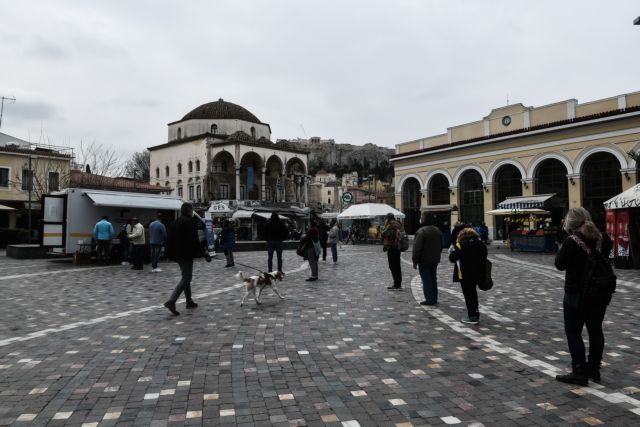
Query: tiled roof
(100, 182)
(36, 152)
(221, 109)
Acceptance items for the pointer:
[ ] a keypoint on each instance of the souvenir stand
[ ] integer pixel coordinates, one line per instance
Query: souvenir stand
(623, 227)
(527, 223)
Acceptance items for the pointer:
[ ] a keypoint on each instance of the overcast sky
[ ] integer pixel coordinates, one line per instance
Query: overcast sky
(356, 71)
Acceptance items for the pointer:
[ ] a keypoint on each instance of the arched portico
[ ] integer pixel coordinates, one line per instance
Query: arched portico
(411, 203)
(295, 181)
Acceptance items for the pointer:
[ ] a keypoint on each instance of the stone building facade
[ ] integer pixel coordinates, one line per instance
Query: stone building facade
(576, 151)
(221, 151)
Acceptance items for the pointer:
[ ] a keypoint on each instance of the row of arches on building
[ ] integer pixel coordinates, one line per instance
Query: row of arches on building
(599, 171)
(257, 178)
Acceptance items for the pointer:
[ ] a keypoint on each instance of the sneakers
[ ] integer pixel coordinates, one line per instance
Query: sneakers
(156, 270)
(172, 308)
(191, 304)
(124, 263)
(470, 320)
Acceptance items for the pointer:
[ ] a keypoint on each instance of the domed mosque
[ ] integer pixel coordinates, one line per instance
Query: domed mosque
(220, 151)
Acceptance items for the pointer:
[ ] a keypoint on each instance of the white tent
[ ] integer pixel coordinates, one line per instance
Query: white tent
(625, 200)
(369, 210)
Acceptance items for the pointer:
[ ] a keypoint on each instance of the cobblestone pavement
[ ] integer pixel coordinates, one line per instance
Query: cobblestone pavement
(93, 346)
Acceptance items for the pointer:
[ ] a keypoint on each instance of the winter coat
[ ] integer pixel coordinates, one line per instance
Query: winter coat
(275, 231)
(324, 234)
(183, 242)
(136, 236)
(334, 235)
(572, 259)
(391, 233)
(103, 230)
(227, 238)
(427, 245)
(471, 253)
(157, 233)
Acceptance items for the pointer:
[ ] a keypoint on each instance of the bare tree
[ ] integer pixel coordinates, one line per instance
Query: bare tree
(138, 166)
(101, 159)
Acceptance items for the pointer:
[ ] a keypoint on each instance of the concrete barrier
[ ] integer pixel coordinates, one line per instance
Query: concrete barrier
(26, 251)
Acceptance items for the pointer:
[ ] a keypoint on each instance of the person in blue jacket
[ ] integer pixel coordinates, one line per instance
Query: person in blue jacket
(103, 233)
(228, 241)
(157, 238)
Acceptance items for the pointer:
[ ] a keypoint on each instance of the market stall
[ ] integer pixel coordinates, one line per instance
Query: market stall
(526, 223)
(623, 227)
(364, 218)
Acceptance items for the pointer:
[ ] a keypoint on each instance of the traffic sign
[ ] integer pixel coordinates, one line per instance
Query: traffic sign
(347, 197)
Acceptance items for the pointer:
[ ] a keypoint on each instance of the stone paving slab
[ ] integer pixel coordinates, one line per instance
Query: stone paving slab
(93, 346)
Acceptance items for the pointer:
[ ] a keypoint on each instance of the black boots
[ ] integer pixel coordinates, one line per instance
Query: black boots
(593, 370)
(577, 376)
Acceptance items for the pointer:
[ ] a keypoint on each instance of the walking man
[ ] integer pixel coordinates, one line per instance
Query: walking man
(391, 245)
(427, 248)
(136, 237)
(324, 236)
(157, 238)
(275, 233)
(183, 246)
(103, 233)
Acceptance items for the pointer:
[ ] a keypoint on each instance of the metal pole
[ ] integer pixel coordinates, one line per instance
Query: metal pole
(29, 183)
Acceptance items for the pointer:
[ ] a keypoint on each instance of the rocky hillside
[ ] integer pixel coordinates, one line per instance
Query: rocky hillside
(343, 158)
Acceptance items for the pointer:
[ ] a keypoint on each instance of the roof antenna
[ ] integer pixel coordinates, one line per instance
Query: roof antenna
(303, 131)
(3, 98)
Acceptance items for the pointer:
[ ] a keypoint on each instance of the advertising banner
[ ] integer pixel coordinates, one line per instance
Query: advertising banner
(611, 231)
(622, 234)
(210, 234)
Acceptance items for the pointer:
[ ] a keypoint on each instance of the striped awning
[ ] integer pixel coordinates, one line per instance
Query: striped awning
(525, 202)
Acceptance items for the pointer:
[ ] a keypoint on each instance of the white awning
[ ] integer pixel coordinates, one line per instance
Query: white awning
(626, 200)
(242, 214)
(437, 208)
(513, 212)
(134, 200)
(329, 215)
(525, 202)
(6, 208)
(267, 215)
(369, 210)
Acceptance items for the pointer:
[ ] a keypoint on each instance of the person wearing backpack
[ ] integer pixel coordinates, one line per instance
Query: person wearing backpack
(427, 248)
(391, 245)
(588, 287)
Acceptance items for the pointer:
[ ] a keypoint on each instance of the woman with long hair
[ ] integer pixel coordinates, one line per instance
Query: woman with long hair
(470, 255)
(583, 245)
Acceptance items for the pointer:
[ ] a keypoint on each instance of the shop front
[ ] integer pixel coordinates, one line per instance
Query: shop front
(623, 227)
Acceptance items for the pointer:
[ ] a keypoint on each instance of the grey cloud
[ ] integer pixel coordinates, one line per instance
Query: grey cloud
(25, 109)
(41, 48)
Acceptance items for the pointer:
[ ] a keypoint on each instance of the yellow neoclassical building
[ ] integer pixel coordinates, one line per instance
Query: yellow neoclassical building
(577, 152)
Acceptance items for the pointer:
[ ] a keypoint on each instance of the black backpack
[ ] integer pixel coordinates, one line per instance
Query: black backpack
(599, 281)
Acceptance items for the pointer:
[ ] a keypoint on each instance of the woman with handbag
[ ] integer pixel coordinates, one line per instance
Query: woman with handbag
(469, 254)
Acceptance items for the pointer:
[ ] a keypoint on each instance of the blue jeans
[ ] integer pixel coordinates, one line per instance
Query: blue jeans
(334, 251)
(155, 255)
(428, 274)
(274, 245)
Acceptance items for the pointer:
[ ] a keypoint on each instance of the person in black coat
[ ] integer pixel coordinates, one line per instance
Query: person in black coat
(470, 255)
(579, 309)
(183, 246)
(324, 237)
(275, 232)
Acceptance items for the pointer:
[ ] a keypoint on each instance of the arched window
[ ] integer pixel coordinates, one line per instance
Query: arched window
(157, 172)
(471, 198)
(179, 133)
(223, 166)
(197, 165)
(601, 181)
(166, 171)
(253, 132)
(198, 192)
(190, 166)
(214, 128)
(179, 188)
(179, 168)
